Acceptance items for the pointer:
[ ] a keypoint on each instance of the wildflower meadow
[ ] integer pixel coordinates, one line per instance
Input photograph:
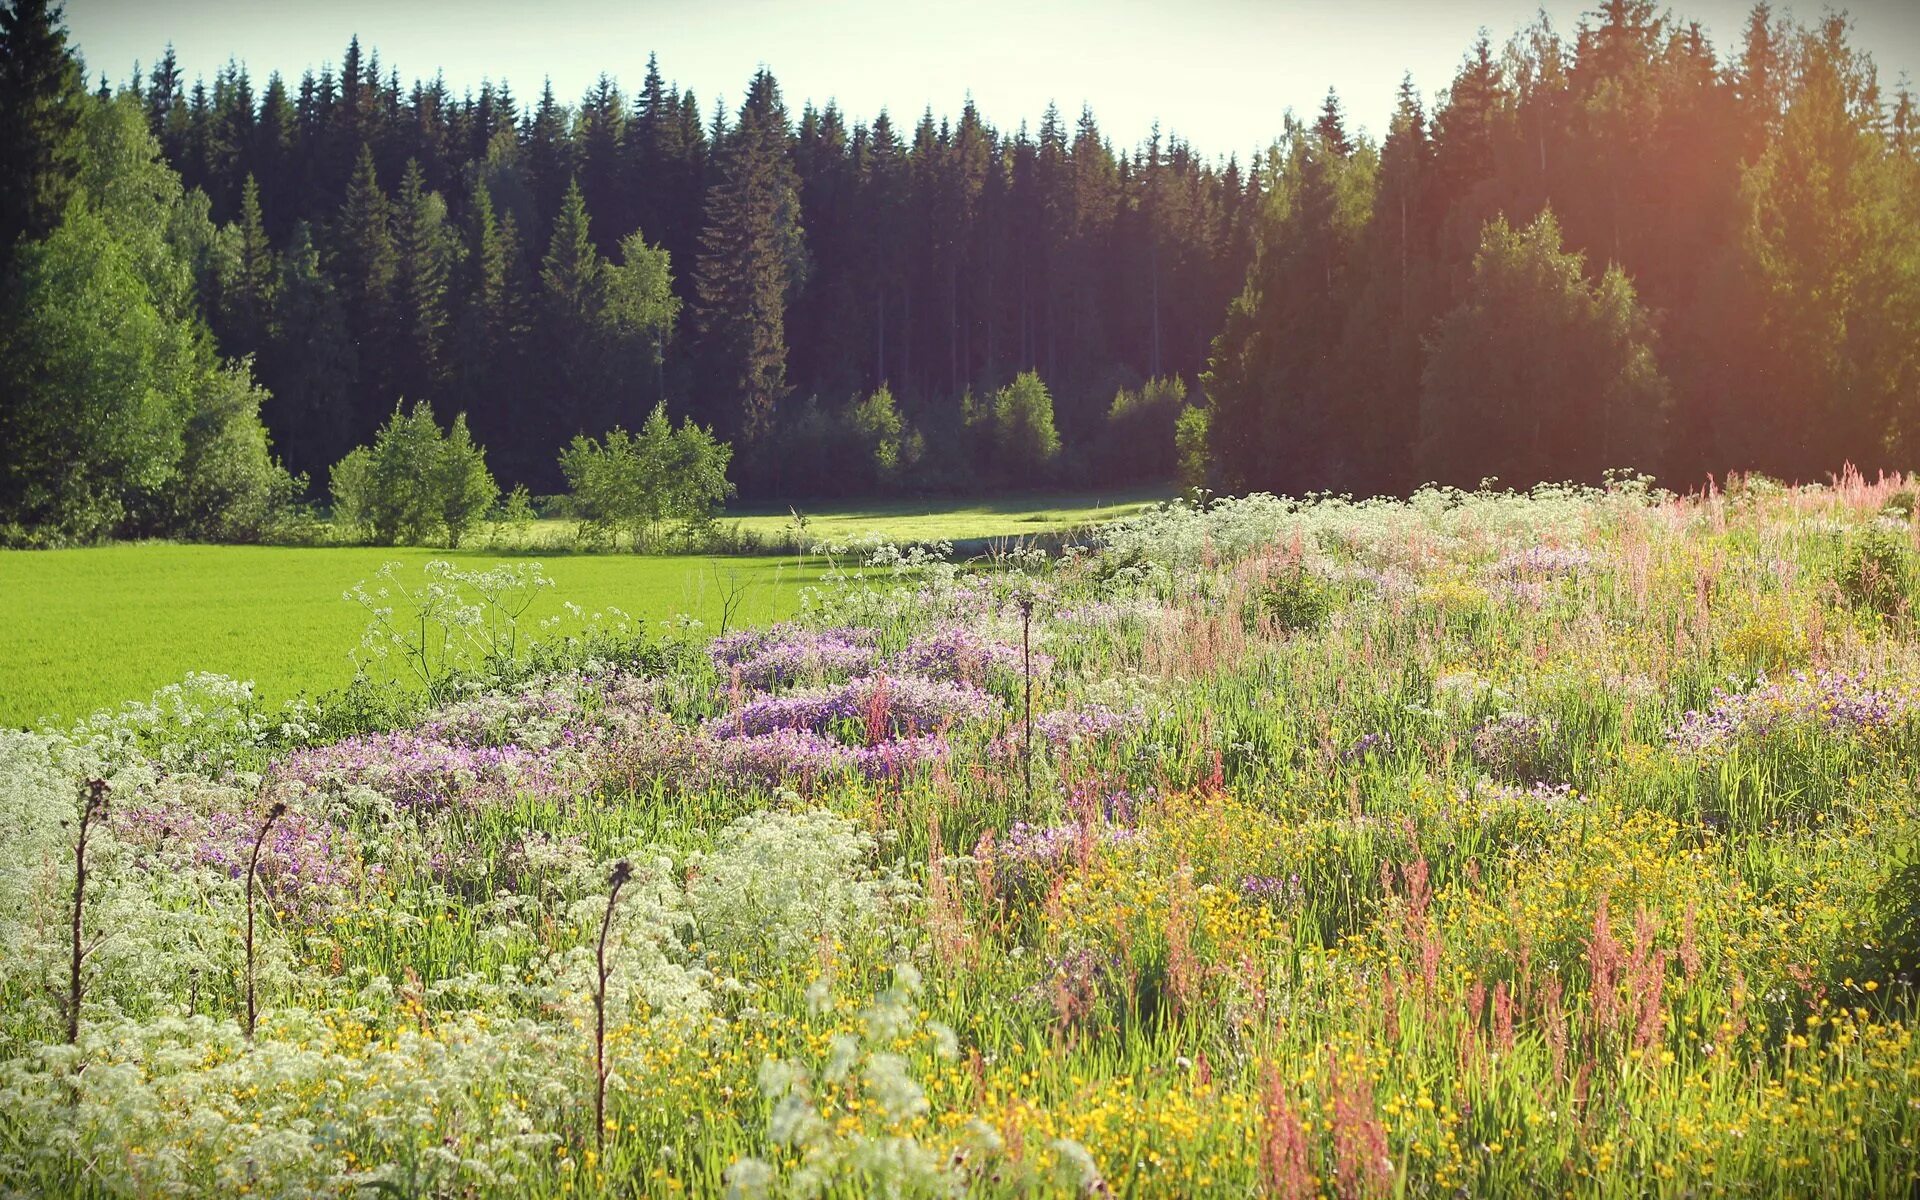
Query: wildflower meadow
(1557, 843)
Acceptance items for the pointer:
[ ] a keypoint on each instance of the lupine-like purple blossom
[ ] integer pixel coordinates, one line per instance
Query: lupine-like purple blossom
(901, 706)
(1847, 703)
(301, 856)
(786, 654)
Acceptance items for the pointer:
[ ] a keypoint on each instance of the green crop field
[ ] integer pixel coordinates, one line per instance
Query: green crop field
(95, 627)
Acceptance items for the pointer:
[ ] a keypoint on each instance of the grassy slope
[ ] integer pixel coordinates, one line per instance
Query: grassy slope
(94, 627)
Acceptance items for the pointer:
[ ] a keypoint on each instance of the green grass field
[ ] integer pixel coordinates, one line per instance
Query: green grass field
(916, 520)
(97, 626)
(926, 521)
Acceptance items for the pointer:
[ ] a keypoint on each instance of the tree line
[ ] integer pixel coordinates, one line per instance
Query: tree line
(1619, 247)
(763, 273)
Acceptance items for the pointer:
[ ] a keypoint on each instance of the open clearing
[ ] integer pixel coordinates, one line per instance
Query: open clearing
(95, 627)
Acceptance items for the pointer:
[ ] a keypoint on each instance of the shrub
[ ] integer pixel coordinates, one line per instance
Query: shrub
(1293, 601)
(887, 444)
(1024, 439)
(413, 482)
(635, 483)
(1876, 571)
(461, 482)
(1190, 448)
(1139, 439)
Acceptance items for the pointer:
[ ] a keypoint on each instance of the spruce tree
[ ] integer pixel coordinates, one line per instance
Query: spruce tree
(364, 271)
(572, 313)
(751, 255)
(42, 95)
(421, 254)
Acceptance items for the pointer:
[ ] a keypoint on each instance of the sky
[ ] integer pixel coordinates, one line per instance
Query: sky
(1219, 73)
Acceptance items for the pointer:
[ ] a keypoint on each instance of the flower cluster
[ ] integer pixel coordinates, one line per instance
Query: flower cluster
(786, 654)
(1543, 562)
(1087, 722)
(961, 653)
(1513, 743)
(885, 706)
(301, 856)
(1273, 890)
(419, 772)
(1837, 701)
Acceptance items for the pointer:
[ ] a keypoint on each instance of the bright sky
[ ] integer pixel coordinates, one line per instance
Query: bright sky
(1218, 72)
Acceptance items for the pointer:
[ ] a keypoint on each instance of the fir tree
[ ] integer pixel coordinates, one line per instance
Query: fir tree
(421, 254)
(42, 95)
(751, 255)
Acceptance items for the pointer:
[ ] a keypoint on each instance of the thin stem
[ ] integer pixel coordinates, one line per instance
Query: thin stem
(622, 871)
(1026, 668)
(253, 867)
(95, 805)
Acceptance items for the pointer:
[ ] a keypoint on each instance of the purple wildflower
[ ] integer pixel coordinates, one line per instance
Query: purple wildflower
(1849, 704)
(782, 655)
(302, 855)
(901, 706)
(1271, 889)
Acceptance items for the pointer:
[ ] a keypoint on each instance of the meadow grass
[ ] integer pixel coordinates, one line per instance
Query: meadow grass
(96, 626)
(1475, 845)
(92, 627)
(1008, 517)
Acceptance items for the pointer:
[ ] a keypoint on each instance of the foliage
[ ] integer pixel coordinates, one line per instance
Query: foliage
(1190, 434)
(1877, 570)
(121, 419)
(1020, 418)
(414, 483)
(636, 483)
(1140, 438)
(1530, 326)
(1292, 601)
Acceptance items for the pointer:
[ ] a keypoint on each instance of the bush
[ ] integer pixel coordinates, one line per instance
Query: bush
(1190, 448)
(1876, 571)
(1293, 601)
(1139, 440)
(413, 482)
(636, 483)
(888, 445)
(1025, 442)
(230, 487)
(463, 486)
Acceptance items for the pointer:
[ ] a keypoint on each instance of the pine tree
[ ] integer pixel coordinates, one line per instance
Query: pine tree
(421, 254)
(42, 95)
(364, 270)
(751, 256)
